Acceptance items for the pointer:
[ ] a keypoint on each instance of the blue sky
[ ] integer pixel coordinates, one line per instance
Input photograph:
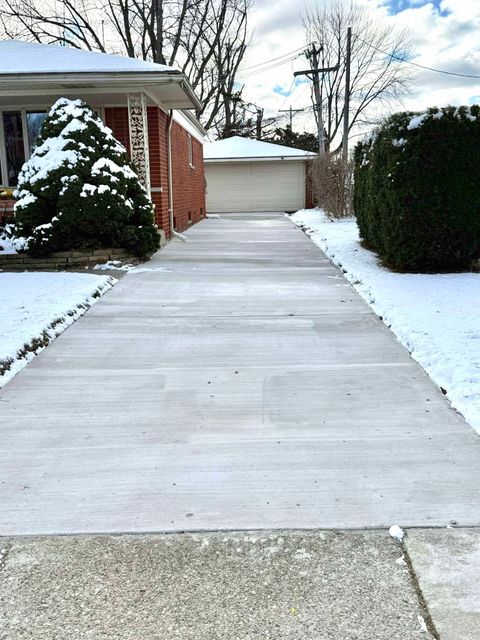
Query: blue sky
(284, 91)
(397, 6)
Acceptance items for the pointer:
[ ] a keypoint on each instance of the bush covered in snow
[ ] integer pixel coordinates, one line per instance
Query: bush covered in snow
(417, 190)
(78, 190)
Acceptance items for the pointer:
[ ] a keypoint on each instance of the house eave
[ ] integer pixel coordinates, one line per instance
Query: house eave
(76, 83)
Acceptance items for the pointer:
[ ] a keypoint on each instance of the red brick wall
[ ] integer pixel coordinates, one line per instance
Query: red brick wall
(309, 197)
(117, 119)
(188, 182)
(158, 153)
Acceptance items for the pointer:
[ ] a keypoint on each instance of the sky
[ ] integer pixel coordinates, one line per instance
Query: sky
(445, 35)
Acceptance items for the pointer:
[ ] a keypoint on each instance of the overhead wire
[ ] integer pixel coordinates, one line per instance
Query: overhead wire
(260, 64)
(287, 95)
(269, 67)
(416, 64)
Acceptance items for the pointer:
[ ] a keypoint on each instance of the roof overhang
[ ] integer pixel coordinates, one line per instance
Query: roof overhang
(171, 89)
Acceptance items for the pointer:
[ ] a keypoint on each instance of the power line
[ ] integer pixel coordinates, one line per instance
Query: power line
(260, 64)
(268, 68)
(301, 94)
(416, 64)
(287, 95)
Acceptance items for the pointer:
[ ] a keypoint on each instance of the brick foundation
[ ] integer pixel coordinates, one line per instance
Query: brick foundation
(6, 211)
(64, 260)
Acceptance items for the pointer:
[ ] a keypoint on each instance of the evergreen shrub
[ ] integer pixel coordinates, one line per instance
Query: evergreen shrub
(78, 190)
(417, 190)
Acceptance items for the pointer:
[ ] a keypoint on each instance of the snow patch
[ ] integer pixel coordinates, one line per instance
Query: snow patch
(396, 532)
(36, 308)
(113, 265)
(417, 121)
(423, 624)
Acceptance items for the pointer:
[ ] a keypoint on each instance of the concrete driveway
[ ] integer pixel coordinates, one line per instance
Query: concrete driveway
(238, 382)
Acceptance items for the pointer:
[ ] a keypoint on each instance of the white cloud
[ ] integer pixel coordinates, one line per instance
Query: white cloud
(444, 37)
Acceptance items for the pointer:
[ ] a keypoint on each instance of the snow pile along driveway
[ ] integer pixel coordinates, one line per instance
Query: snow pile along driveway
(435, 316)
(36, 307)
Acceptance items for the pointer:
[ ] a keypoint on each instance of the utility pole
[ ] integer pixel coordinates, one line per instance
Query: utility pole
(158, 54)
(314, 74)
(291, 112)
(259, 123)
(318, 102)
(346, 105)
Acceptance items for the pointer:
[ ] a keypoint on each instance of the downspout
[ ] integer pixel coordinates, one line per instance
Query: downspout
(174, 233)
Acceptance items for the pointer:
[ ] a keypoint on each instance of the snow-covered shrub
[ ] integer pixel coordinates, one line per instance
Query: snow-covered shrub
(78, 190)
(417, 189)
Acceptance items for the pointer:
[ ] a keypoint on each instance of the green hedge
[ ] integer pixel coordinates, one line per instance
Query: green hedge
(417, 190)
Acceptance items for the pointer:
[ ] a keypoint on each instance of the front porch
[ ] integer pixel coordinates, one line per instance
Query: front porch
(147, 110)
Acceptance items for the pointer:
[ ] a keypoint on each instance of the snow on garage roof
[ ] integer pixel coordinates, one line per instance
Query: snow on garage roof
(18, 57)
(238, 148)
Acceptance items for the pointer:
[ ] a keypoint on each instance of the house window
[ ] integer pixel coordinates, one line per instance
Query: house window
(18, 132)
(190, 151)
(34, 124)
(14, 145)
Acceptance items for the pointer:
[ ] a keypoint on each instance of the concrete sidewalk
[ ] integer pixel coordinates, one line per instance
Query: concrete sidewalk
(238, 382)
(235, 586)
(281, 585)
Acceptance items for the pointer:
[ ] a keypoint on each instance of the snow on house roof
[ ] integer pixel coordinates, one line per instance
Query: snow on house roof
(19, 57)
(238, 148)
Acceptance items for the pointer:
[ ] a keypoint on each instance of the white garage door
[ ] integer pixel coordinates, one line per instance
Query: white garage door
(255, 186)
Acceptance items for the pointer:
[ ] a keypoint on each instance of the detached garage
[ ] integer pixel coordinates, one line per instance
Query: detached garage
(251, 175)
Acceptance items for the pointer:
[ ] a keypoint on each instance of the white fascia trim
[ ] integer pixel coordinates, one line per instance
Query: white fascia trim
(133, 79)
(263, 159)
(188, 122)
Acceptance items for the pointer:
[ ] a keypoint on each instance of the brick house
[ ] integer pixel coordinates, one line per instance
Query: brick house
(148, 107)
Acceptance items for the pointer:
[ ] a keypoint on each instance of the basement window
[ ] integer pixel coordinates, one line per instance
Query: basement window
(190, 152)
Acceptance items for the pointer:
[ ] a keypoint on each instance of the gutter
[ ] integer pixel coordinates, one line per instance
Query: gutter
(260, 159)
(174, 233)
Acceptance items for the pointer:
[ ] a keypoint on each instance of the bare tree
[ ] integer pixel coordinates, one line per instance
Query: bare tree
(378, 75)
(205, 39)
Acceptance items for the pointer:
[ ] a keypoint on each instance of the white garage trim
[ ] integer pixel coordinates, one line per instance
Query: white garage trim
(269, 185)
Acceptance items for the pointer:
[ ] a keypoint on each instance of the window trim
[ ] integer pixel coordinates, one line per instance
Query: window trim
(3, 153)
(26, 149)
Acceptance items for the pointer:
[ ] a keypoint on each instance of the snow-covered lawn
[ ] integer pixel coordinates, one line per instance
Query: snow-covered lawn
(436, 317)
(36, 307)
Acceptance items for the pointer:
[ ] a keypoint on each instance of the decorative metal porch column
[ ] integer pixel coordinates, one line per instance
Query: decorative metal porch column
(138, 128)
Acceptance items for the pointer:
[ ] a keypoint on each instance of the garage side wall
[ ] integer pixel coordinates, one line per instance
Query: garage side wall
(188, 182)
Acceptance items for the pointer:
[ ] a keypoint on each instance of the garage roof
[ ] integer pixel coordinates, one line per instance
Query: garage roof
(241, 149)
